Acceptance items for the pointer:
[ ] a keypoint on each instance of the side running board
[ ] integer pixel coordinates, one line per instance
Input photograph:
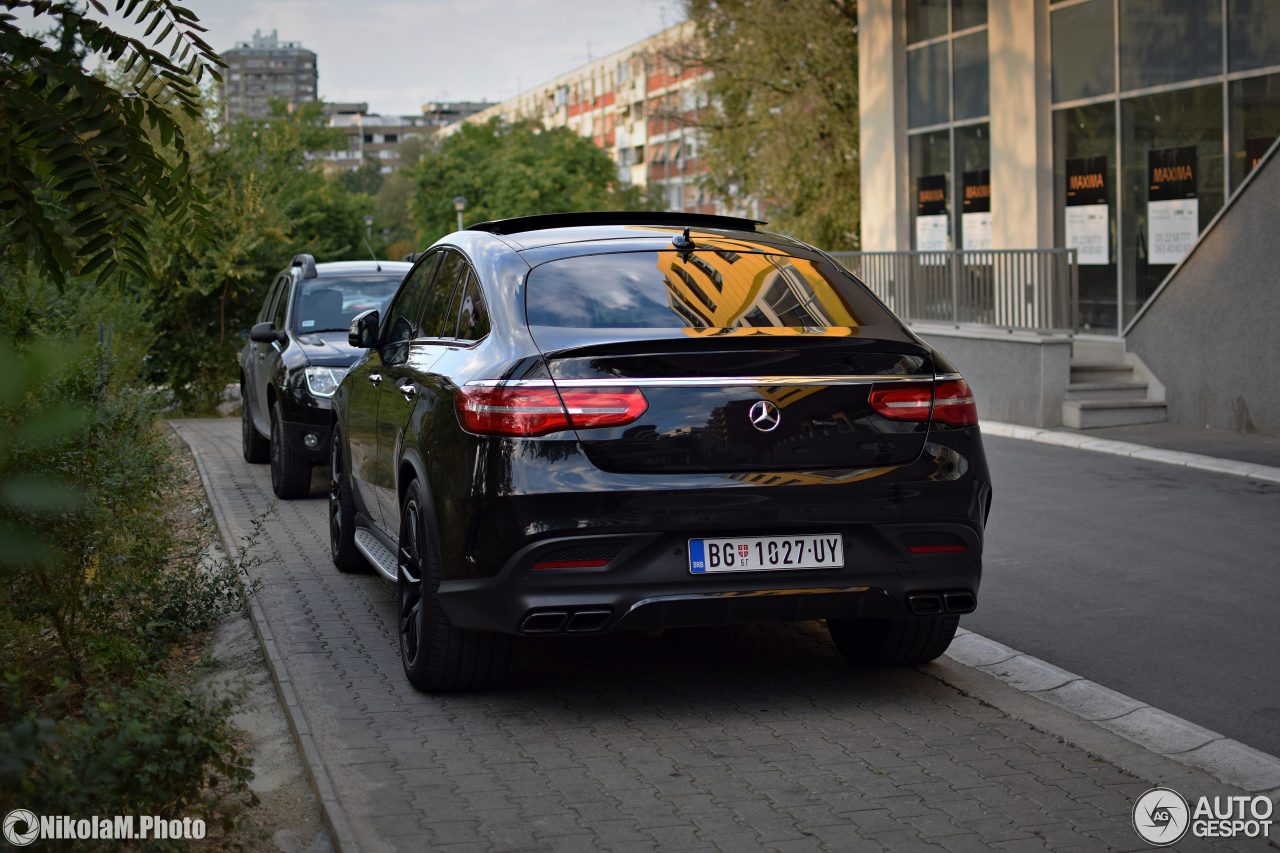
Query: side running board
(379, 556)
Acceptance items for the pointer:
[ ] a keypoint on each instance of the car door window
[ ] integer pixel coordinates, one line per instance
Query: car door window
(269, 304)
(402, 316)
(441, 296)
(473, 315)
(282, 305)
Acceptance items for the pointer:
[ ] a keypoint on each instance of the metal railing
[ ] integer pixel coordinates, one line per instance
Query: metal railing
(1032, 289)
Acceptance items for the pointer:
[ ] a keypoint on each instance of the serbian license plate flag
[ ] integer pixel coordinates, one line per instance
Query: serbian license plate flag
(766, 553)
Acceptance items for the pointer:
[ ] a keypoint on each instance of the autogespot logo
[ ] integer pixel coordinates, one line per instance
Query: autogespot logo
(1161, 816)
(21, 827)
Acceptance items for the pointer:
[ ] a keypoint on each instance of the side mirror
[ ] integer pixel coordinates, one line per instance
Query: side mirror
(265, 333)
(363, 333)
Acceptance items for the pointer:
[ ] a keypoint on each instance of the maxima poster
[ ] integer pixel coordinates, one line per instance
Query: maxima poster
(1173, 211)
(932, 234)
(1088, 223)
(975, 216)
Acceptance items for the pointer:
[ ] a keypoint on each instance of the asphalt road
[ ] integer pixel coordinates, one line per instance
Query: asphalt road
(1158, 581)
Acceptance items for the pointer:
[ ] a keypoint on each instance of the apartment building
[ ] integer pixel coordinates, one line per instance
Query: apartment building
(376, 138)
(264, 69)
(640, 105)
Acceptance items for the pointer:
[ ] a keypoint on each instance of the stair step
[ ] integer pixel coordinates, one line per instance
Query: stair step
(1087, 348)
(1089, 414)
(1099, 371)
(1129, 390)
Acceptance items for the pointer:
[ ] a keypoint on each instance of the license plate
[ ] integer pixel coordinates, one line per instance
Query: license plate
(766, 553)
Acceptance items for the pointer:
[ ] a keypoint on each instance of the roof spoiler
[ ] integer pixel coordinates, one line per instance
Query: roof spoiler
(307, 263)
(615, 217)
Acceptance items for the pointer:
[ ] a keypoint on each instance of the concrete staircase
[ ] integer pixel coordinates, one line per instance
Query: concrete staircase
(1110, 387)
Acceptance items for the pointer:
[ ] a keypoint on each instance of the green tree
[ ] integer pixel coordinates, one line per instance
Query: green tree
(269, 201)
(518, 169)
(80, 176)
(783, 121)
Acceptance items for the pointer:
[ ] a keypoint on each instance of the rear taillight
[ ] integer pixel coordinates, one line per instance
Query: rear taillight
(953, 403)
(949, 401)
(527, 411)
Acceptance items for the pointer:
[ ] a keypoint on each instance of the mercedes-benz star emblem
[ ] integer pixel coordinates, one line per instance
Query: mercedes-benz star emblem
(764, 416)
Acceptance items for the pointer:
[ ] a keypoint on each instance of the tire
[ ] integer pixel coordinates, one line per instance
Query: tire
(893, 642)
(342, 514)
(437, 657)
(290, 473)
(255, 448)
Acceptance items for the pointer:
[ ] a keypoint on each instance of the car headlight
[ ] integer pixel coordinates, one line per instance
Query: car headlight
(323, 381)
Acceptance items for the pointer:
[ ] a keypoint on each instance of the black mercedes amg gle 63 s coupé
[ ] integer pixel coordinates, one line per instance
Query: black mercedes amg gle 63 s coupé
(579, 423)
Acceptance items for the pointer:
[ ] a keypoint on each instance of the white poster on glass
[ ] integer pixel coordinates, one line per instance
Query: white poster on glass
(977, 231)
(1172, 228)
(931, 233)
(1087, 232)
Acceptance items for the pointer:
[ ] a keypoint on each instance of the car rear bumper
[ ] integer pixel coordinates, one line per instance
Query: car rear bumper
(648, 583)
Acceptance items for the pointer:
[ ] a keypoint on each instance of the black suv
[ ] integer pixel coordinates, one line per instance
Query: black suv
(296, 355)
(581, 423)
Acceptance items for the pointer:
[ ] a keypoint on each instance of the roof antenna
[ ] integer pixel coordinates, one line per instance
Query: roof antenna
(683, 243)
(373, 255)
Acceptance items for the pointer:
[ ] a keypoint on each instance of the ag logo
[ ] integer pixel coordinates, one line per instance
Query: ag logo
(30, 827)
(1161, 817)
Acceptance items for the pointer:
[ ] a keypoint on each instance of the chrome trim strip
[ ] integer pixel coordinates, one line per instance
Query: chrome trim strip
(704, 381)
(948, 377)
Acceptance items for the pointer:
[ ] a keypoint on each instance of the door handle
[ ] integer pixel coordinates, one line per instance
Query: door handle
(409, 390)
(375, 378)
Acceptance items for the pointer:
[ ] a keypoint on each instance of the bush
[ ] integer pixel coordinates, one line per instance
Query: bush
(104, 576)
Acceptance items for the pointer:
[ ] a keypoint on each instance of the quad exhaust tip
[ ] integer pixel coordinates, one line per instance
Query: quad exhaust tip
(581, 621)
(934, 604)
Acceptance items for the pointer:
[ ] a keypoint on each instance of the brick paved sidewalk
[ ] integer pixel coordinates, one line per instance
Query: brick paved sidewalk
(755, 738)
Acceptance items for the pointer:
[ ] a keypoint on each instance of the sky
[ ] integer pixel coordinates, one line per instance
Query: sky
(399, 54)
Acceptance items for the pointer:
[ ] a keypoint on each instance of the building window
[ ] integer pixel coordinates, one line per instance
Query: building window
(1084, 180)
(928, 100)
(1254, 122)
(948, 100)
(972, 85)
(926, 19)
(1171, 155)
(1167, 41)
(1254, 33)
(1083, 50)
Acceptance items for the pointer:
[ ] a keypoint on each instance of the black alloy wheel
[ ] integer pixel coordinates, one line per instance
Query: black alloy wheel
(437, 656)
(290, 473)
(409, 584)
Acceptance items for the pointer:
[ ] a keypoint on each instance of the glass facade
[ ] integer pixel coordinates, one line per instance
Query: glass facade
(948, 101)
(1161, 108)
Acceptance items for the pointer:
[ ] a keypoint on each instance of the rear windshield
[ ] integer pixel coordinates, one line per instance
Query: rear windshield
(329, 304)
(698, 290)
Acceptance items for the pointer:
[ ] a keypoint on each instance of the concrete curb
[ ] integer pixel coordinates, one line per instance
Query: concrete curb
(1225, 759)
(341, 835)
(1249, 470)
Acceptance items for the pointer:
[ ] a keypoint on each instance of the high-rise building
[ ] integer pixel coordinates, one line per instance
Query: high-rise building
(264, 69)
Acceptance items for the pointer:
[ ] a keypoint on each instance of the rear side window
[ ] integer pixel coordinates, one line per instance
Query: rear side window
(441, 296)
(472, 315)
(698, 290)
